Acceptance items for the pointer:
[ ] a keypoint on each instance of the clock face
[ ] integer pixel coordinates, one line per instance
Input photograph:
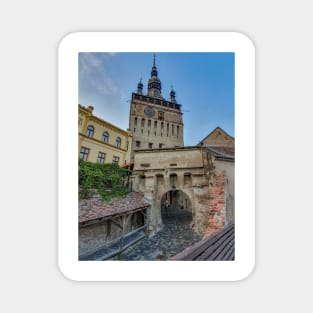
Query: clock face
(149, 111)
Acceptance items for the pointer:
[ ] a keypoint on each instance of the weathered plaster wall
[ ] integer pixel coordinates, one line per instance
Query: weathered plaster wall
(164, 169)
(196, 172)
(169, 160)
(229, 169)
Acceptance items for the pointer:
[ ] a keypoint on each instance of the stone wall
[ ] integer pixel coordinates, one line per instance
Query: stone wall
(217, 208)
(94, 236)
(218, 137)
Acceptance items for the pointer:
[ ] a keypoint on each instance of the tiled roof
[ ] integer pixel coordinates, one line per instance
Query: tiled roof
(222, 151)
(94, 208)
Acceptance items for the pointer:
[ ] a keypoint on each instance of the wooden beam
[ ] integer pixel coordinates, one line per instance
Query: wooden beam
(144, 214)
(117, 224)
(108, 228)
(123, 231)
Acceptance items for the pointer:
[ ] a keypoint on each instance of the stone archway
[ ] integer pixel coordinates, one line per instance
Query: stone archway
(199, 173)
(176, 202)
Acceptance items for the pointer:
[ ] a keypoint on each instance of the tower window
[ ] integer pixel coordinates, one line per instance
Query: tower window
(150, 145)
(101, 157)
(105, 137)
(135, 121)
(142, 122)
(161, 115)
(162, 125)
(118, 142)
(172, 129)
(90, 131)
(177, 131)
(155, 124)
(137, 144)
(149, 123)
(160, 145)
(84, 153)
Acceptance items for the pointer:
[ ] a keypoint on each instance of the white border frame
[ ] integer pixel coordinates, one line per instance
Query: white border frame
(244, 51)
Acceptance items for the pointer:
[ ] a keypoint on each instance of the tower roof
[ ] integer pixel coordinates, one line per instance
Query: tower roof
(154, 71)
(154, 83)
(140, 84)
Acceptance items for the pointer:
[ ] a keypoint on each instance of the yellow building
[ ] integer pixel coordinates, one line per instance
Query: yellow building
(100, 141)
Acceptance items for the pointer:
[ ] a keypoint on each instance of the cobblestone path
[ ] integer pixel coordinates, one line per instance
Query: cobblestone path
(175, 236)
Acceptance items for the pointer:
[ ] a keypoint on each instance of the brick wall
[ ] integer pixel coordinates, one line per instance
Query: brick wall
(217, 207)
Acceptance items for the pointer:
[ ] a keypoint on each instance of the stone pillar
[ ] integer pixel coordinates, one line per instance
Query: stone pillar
(135, 183)
(180, 181)
(167, 185)
(201, 202)
(155, 222)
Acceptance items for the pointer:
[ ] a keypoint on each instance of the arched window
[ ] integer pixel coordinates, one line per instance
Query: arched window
(105, 137)
(90, 131)
(118, 142)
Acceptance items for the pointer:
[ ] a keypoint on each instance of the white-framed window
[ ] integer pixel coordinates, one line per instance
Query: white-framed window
(101, 157)
(115, 159)
(84, 153)
(90, 131)
(118, 142)
(105, 137)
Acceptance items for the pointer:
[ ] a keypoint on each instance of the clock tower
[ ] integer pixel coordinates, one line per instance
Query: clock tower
(155, 122)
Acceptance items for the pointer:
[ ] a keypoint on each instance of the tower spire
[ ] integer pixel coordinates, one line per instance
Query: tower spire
(173, 95)
(154, 71)
(154, 83)
(139, 87)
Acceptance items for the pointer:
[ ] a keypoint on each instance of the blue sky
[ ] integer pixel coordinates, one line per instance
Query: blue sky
(203, 82)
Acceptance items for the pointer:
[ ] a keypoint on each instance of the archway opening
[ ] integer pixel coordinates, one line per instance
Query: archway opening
(176, 208)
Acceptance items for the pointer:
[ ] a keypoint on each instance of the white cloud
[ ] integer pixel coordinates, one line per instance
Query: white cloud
(93, 73)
